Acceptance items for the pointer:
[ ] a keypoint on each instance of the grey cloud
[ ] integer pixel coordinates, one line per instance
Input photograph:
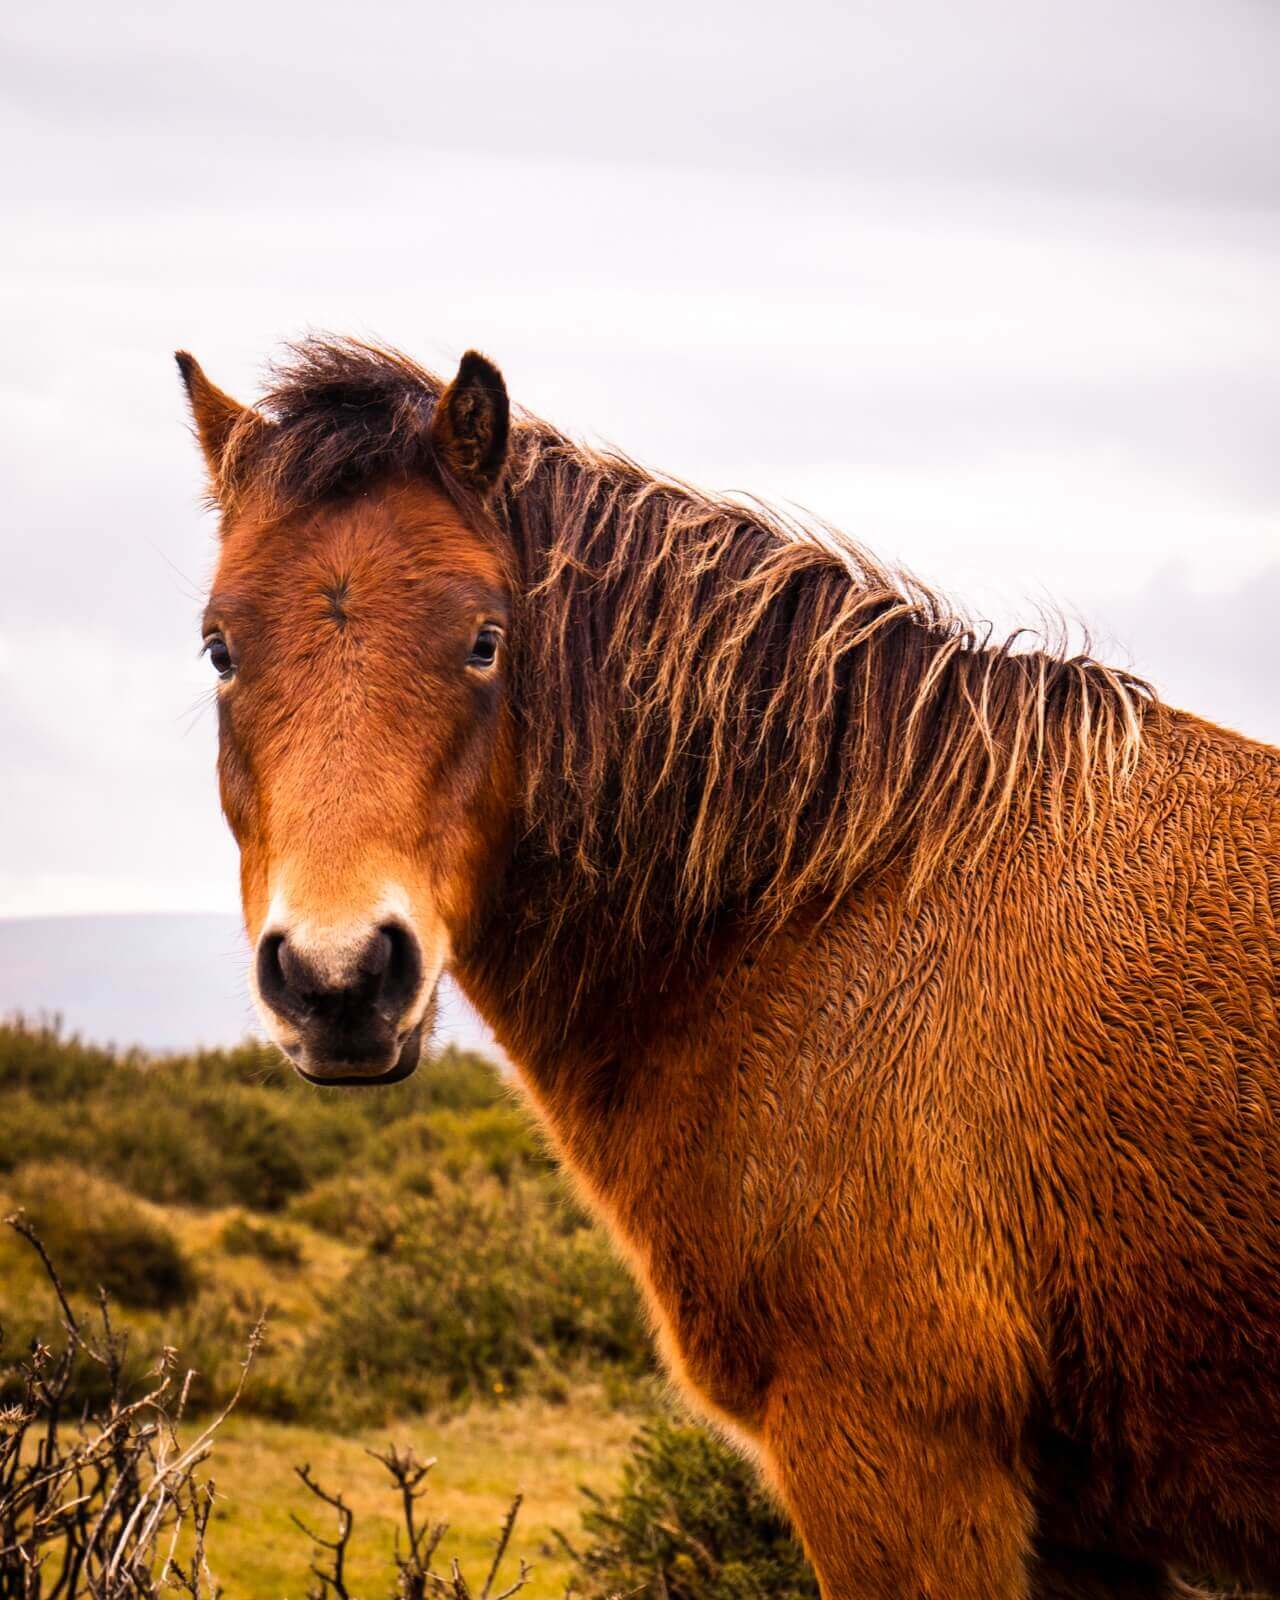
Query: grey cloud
(1164, 99)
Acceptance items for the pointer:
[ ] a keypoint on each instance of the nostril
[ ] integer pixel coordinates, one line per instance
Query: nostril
(378, 954)
(273, 985)
(299, 977)
(401, 968)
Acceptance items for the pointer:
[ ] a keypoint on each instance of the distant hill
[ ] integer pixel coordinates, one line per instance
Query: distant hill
(166, 982)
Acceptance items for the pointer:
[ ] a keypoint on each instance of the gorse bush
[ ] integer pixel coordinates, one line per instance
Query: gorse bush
(103, 1237)
(476, 1290)
(223, 1147)
(424, 1154)
(353, 1207)
(497, 1140)
(689, 1522)
(215, 1128)
(38, 1057)
(276, 1246)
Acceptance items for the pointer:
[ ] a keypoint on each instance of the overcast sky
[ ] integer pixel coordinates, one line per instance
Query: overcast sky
(993, 284)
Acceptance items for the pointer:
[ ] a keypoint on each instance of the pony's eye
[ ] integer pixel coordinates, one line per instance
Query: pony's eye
(215, 647)
(484, 648)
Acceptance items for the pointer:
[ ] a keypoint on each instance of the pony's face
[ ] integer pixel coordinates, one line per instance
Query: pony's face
(366, 760)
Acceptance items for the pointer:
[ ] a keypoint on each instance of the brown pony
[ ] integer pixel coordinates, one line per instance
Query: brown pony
(905, 1002)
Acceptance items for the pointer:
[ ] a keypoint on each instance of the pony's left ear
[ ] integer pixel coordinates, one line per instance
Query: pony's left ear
(471, 422)
(215, 414)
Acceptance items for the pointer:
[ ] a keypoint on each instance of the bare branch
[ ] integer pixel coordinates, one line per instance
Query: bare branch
(504, 1539)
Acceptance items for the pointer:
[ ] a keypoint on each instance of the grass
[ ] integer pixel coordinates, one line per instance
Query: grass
(488, 1449)
(486, 1455)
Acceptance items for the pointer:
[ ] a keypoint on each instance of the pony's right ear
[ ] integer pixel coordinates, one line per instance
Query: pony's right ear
(215, 414)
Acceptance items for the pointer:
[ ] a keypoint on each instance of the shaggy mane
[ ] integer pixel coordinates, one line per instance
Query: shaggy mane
(720, 709)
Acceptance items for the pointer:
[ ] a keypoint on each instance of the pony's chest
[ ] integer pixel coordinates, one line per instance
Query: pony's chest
(724, 1247)
(716, 1320)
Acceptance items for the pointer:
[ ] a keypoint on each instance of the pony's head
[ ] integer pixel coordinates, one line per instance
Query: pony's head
(357, 627)
(722, 717)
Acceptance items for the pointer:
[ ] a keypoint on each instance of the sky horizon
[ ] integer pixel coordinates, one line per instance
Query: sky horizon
(996, 293)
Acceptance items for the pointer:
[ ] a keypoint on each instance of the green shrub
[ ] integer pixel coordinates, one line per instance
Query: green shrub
(276, 1246)
(477, 1292)
(691, 1522)
(31, 1129)
(230, 1127)
(496, 1141)
(418, 1157)
(101, 1236)
(223, 1145)
(354, 1207)
(457, 1080)
(263, 1160)
(39, 1057)
(152, 1144)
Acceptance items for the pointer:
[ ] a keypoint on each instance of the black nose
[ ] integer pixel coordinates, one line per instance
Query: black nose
(350, 1016)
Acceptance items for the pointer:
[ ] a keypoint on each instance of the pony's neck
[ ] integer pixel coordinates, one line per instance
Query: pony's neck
(589, 1042)
(726, 719)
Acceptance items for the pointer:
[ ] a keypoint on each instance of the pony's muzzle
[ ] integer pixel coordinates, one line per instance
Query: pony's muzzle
(345, 1014)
